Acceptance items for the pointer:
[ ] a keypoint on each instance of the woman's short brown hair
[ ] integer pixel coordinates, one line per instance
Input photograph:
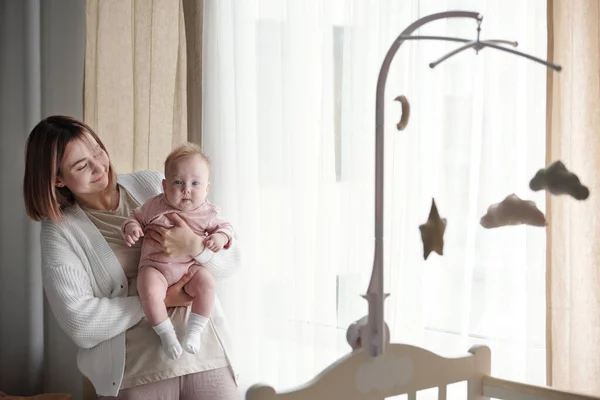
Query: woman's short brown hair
(44, 150)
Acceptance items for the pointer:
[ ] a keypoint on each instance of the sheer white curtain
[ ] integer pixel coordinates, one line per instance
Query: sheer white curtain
(289, 112)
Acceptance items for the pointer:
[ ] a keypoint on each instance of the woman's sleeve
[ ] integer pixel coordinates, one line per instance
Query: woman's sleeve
(222, 264)
(88, 320)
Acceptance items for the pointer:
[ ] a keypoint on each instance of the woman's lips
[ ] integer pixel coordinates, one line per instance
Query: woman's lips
(99, 179)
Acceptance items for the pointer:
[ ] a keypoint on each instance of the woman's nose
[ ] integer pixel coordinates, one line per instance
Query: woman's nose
(96, 166)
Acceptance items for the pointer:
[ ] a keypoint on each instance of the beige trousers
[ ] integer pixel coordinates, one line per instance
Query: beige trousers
(216, 384)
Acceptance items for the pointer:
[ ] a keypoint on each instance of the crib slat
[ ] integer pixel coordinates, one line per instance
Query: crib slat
(442, 392)
(412, 396)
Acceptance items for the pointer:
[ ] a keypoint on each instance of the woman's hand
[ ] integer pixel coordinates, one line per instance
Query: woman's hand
(178, 241)
(176, 296)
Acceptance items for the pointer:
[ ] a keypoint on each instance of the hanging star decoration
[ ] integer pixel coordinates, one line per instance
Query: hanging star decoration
(432, 232)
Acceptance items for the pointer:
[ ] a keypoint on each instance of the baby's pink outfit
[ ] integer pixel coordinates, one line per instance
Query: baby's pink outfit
(204, 220)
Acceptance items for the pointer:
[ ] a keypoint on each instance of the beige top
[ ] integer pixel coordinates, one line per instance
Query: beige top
(145, 361)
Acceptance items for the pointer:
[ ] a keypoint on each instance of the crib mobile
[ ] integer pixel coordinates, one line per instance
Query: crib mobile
(371, 333)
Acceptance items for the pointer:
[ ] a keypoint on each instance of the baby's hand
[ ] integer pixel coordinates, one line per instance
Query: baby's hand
(216, 241)
(132, 233)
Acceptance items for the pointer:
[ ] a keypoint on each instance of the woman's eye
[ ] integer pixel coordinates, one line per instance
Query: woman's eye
(82, 167)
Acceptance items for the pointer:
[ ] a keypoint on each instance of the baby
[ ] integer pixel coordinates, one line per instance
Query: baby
(185, 188)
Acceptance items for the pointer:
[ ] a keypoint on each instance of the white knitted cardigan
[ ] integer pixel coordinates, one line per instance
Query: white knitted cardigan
(87, 289)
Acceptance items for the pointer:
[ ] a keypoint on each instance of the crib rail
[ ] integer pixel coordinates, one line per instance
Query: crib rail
(410, 370)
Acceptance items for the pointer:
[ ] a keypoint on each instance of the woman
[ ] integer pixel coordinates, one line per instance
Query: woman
(89, 272)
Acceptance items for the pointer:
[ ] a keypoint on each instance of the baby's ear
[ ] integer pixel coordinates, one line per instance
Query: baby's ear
(164, 185)
(207, 187)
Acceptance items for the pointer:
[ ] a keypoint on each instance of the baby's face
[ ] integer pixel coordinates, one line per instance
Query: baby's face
(186, 183)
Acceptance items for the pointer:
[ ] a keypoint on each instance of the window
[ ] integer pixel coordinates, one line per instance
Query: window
(304, 75)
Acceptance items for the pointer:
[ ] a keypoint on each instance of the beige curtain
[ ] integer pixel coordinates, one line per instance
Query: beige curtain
(193, 11)
(143, 81)
(135, 92)
(573, 255)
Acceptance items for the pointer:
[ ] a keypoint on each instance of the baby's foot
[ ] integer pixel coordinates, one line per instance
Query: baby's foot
(191, 343)
(196, 324)
(168, 339)
(172, 348)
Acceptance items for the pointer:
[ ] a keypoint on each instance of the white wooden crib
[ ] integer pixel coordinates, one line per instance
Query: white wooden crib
(408, 370)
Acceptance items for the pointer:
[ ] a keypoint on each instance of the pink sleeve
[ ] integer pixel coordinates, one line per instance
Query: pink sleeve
(140, 215)
(218, 225)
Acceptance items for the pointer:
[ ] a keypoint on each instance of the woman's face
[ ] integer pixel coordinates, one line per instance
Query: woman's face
(84, 167)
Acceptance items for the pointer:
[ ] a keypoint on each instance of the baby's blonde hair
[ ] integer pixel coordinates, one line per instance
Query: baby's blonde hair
(184, 151)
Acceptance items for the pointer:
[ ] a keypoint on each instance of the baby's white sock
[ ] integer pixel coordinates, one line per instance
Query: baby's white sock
(195, 325)
(168, 338)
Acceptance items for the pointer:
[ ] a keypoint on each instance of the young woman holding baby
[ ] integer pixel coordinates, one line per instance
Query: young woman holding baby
(90, 271)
